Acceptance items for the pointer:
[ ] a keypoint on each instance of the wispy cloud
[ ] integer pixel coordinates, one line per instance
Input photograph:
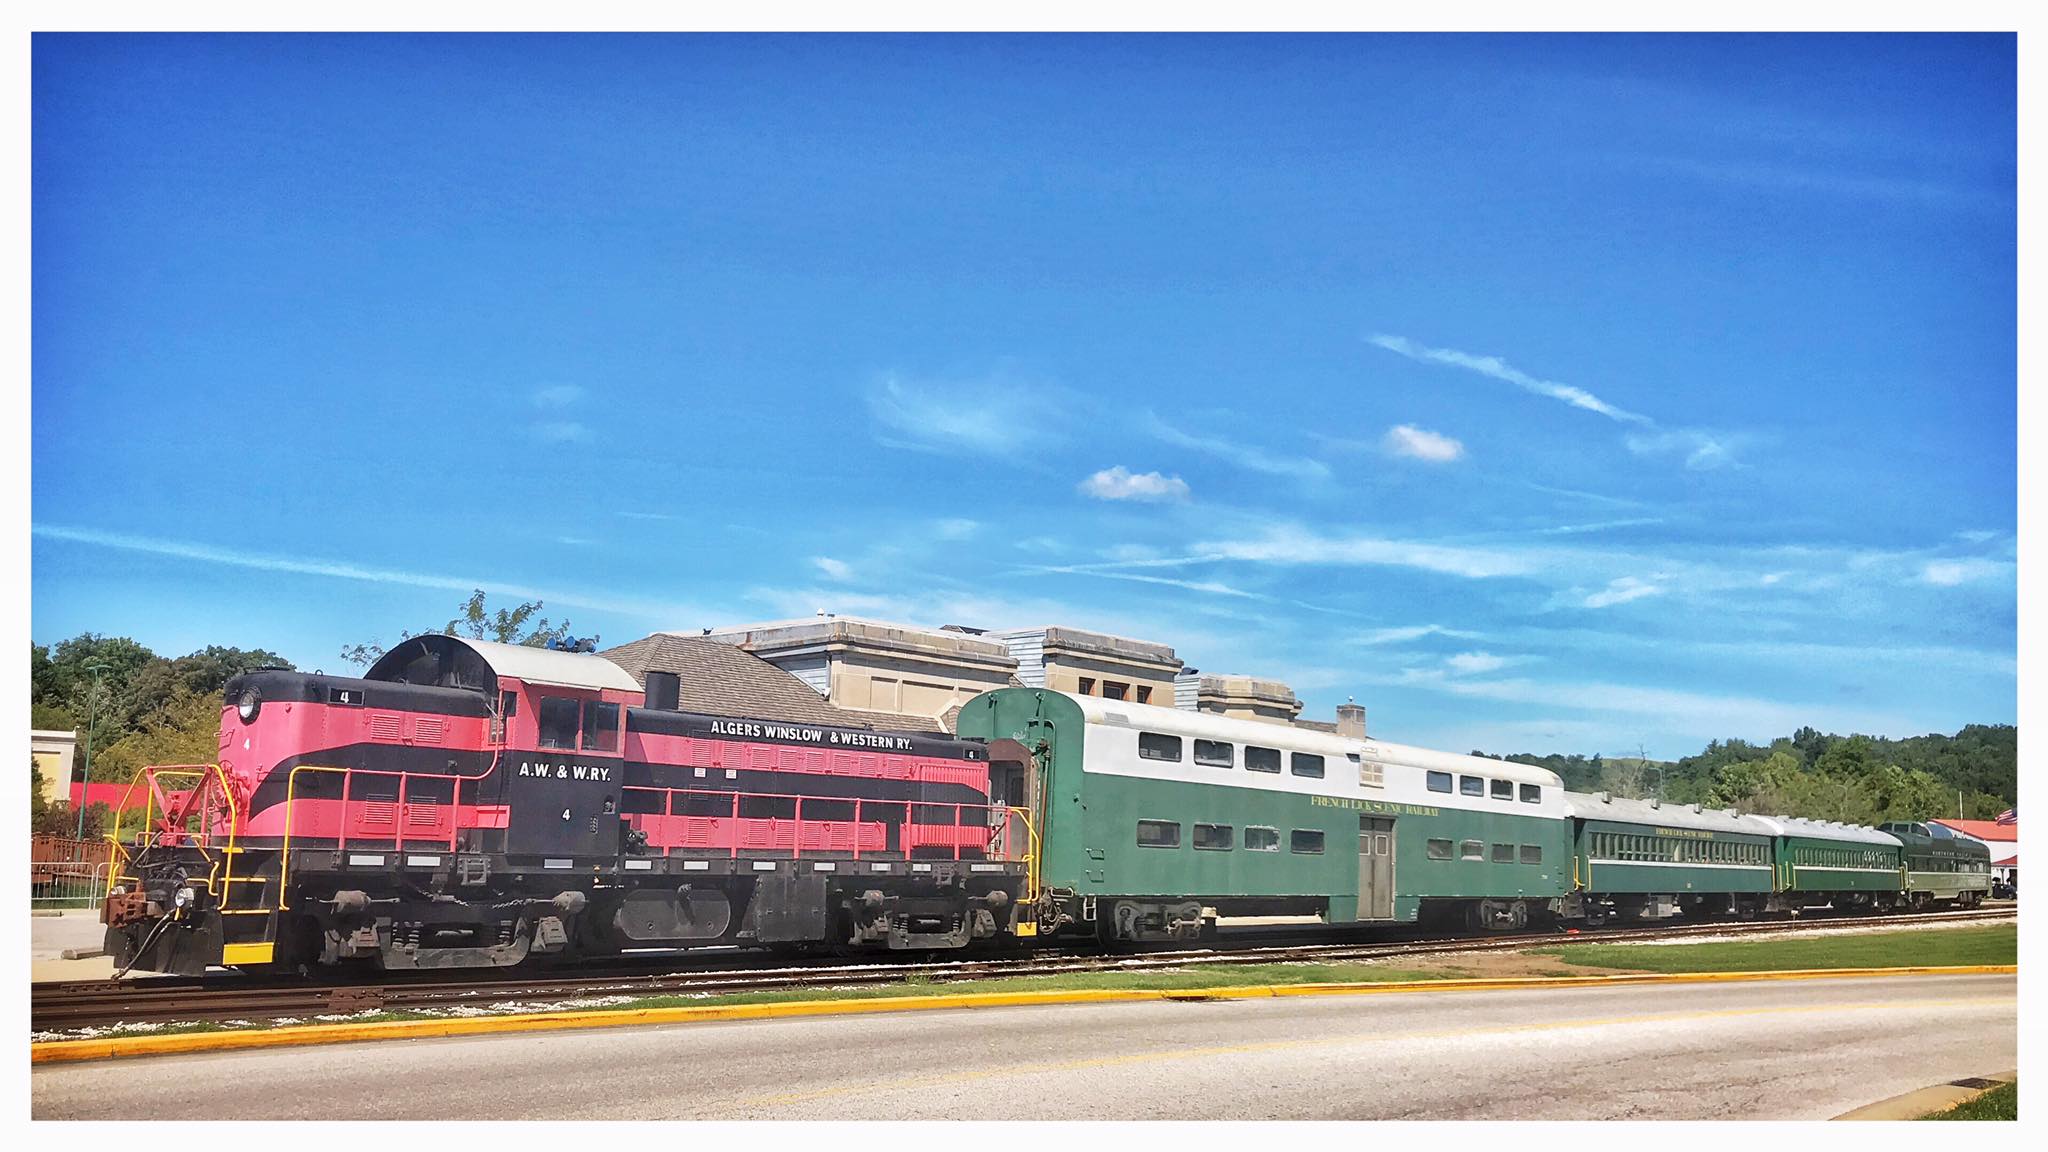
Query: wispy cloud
(1297, 546)
(1411, 632)
(1408, 440)
(1500, 369)
(1120, 483)
(1474, 663)
(1596, 497)
(1702, 450)
(305, 566)
(965, 417)
(833, 569)
(557, 396)
(1602, 526)
(1243, 455)
(1864, 186)
(1621, 591)
(956, 528)
(1949, 573)
(561, 432)
(648, 515)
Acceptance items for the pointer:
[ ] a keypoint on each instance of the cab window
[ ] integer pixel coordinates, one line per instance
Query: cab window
(600, 727)
(558, 716)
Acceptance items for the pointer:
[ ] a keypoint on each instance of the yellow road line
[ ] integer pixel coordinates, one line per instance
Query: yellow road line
(62, 1051)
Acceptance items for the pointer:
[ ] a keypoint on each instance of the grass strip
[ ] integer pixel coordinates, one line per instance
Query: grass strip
(1939, 947)
(2001, 1103)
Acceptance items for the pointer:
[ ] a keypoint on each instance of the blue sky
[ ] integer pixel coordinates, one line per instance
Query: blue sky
(1548, 393)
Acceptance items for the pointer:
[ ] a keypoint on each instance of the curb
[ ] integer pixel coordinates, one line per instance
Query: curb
(1921, 1103)
(69, 1051)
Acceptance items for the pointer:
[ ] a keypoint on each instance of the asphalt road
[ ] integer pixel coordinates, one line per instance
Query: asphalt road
(1807, 1049)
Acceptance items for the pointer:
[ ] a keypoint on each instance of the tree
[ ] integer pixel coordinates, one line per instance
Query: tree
(506, 626)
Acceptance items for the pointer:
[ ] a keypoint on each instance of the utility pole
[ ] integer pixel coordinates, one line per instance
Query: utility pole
(91, 713)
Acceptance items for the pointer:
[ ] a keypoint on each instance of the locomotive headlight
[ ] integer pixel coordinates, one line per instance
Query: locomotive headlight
(185, 897)
(248, 706)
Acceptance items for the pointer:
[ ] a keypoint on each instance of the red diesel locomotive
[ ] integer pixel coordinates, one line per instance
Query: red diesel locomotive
(466, 803)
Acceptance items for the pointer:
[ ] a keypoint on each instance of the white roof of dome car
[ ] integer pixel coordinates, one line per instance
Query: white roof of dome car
(1208, 726)
(547, 666)
(1592, 806)
(1827, 830)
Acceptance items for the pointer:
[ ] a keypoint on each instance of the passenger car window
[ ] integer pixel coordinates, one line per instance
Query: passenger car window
(1439, 781)
(1503, 789)
(1307, 841)
(1471, 850)
(1438, 849)
(600, 727)
(1156, 746)
(1257, 759)
(1215, 753)
(558, 716)
(1532, 853)
(1303, 764)
(1503, 853)
(1158, 834)
(1257, 839)
(1532, 794)
(1472, 785)
(1214, 837)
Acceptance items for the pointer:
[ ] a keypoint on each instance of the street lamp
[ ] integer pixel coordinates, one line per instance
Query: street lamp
(91, 712)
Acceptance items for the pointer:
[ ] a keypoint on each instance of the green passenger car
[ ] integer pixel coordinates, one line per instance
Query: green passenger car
(1641, 859)
(1942, 868)
(1843, 865)
(1151, 821)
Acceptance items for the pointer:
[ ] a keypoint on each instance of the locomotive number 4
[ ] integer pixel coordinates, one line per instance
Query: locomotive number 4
(565, 813)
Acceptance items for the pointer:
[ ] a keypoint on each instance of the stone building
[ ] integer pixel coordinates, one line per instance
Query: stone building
(1093, 664)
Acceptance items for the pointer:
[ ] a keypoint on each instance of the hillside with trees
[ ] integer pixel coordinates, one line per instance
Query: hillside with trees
(1859, 779)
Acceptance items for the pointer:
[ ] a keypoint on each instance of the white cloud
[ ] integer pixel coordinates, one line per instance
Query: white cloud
(1470, 663)
(1622, 591)
(1977, 536)
(1408, 440)
(1243, 455)
(1500, 369)
(557, 396)
(956, 528)
(1120, 483)
(833, 569)
(1949, 573)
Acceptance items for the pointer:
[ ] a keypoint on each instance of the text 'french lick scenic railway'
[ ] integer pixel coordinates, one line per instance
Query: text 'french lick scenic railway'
(472, 804)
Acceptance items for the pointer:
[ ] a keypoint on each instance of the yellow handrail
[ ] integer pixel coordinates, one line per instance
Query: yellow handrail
(221, 870)
(284, 860)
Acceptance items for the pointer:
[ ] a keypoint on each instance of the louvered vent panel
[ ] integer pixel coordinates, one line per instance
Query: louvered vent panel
(427, 729)
(385, 726)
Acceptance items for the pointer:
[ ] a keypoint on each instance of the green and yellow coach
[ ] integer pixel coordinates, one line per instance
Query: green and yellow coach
(1942, 868)
(1827, 862)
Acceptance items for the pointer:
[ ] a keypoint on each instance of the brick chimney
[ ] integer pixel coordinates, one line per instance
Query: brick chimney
(1351, 719)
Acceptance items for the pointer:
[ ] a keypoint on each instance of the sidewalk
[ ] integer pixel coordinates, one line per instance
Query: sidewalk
(74, 929)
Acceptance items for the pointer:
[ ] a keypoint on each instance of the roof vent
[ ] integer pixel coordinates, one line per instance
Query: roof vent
(1603, 797)
(1696, 808)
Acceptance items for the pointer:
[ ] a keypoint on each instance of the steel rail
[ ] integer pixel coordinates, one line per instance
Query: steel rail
(58, 1007)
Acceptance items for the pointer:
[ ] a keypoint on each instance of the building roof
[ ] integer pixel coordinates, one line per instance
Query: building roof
(1983, 829)
(458, 661)
(2012, 861)
(720, 679)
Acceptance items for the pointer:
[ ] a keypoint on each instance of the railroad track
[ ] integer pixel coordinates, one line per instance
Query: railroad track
(61, 1007)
